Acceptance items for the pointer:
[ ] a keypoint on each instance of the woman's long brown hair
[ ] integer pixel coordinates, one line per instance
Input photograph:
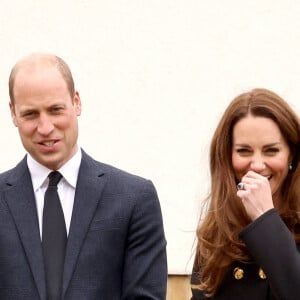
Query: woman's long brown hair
(218, 234)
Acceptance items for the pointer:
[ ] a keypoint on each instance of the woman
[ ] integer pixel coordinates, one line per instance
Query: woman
(248, 241)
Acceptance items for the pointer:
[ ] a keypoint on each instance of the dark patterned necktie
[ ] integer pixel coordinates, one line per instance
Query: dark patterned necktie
(54, 238)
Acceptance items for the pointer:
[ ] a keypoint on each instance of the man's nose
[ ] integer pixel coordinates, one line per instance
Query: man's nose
(45, 125)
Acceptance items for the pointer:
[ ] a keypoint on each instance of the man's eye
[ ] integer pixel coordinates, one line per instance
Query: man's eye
(28, 114)
(56, 109)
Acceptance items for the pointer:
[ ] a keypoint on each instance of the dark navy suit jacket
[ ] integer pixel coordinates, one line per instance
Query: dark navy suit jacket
(116, 245)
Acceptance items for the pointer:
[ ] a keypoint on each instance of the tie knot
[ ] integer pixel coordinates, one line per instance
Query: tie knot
(54, 178)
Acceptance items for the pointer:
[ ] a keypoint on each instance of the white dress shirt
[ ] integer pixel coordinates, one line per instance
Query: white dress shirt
(66, 187)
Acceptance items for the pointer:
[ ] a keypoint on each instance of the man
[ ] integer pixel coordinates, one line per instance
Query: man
(115, 246)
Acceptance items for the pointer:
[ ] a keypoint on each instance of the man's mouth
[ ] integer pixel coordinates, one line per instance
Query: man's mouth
(48, 143)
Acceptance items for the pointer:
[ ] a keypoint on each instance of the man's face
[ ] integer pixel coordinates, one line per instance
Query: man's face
(46, 115)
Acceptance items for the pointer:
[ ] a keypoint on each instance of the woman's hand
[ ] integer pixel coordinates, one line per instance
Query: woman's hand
(255, 194)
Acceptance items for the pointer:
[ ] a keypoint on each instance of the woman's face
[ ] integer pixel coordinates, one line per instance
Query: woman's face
(258, 145)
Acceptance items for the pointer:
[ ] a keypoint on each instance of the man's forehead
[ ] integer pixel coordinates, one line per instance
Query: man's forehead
(37, 59)
(35, 67)
(37, 73)
(35, 63)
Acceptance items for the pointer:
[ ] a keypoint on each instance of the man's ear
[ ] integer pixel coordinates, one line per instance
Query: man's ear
(77, 103)
(13, 113)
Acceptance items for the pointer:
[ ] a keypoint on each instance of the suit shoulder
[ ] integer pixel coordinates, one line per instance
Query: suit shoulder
(125, 183)
(7, 175)
(13, 175)
(120, 175)
(115, 173)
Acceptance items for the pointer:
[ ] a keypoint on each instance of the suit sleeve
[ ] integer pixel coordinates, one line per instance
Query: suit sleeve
(273, 247)
(145, 267)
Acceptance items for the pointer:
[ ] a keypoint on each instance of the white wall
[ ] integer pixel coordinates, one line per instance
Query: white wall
(154, 78)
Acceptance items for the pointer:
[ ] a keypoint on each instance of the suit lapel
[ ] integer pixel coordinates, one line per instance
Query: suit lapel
(21, 202)
(90, 184)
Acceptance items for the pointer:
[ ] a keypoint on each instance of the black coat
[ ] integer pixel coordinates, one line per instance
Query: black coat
(273, 249)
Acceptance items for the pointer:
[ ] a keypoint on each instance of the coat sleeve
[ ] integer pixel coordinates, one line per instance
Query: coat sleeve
(145, 266)
(273, 247)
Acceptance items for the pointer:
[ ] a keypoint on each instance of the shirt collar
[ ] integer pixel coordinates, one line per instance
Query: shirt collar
(69, 170)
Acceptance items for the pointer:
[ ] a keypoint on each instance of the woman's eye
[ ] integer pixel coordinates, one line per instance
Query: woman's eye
(242, 150)
(272, 150)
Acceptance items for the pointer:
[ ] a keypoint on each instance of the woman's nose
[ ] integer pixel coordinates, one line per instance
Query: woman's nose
(257, 164)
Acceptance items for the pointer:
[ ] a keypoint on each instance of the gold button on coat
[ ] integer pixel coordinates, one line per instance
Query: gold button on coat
(238, 273)
(262, 274)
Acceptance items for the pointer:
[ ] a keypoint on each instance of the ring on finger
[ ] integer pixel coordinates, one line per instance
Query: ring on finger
(241, 186)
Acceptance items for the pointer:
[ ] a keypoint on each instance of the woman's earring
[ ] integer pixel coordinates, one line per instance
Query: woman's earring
(290, 166)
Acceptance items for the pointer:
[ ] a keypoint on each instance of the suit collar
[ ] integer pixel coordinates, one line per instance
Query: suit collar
(20, 199)
(90, 185)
